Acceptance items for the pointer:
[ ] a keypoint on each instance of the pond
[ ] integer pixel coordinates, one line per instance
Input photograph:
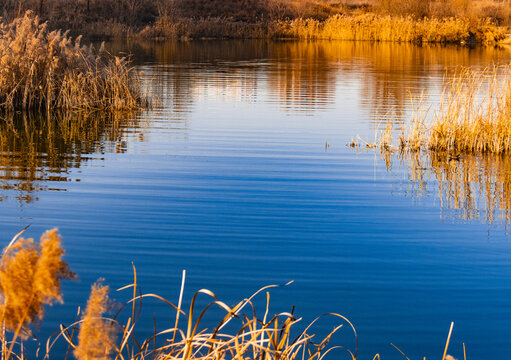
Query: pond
(241, 175)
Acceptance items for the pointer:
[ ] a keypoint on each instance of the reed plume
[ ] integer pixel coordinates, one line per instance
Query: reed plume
(96, 338)
(30, 275)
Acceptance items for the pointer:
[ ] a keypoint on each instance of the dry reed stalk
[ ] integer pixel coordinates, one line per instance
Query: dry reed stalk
(392, 28)
(42, 69)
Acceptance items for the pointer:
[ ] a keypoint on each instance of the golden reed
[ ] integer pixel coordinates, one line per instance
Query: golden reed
(43, 70)
(30, 275)
(473, 117)
(373, 27)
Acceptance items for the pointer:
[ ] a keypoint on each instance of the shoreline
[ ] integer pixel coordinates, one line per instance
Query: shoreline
(363, 27)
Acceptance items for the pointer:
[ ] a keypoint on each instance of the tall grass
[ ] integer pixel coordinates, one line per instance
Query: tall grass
(42, 69)
(30, 276)
(120, 18)
(473, 117)
(37, 269)
(392, 28)
(462, 146)
(465, 123)
(358, 27)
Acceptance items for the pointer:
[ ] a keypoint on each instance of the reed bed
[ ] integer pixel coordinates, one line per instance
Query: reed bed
(473, 117)
(30, 277)
(373, 27)
(43, 70)
(463, 146)
(355, 27)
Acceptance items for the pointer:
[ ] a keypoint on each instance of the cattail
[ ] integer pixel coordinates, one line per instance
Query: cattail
(30, 275)
(96, 338)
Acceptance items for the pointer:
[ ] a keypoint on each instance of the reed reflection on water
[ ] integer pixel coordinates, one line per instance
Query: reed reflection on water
(37, 152)
(468, 187)
(303, 78)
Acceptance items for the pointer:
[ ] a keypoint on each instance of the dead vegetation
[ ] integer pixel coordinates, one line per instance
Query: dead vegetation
(42, 69)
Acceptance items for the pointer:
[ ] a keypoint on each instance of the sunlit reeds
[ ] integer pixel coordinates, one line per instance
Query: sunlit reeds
(30, 276)
(472, 117)
(267, 337)
(475, 114)
(96, 337)
(373, 27)
(42, 69)
(462, 145)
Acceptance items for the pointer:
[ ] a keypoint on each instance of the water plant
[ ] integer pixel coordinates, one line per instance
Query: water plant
(43, 70)
(374, 27)
(30, 275)
(473, 117)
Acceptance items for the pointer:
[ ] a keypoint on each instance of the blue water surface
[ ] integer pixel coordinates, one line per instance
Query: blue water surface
(241, 175)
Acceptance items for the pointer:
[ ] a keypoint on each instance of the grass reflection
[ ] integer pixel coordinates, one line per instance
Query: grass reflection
(302, 75)
(37, 150)
(469, 187)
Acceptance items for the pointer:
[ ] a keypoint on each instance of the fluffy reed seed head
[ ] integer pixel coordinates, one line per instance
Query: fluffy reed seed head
(30, 275)
(97, 336)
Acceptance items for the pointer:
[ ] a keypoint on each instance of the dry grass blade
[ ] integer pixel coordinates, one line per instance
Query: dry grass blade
(266, 338)
(401, 351)
(14, 239)
(448, 340)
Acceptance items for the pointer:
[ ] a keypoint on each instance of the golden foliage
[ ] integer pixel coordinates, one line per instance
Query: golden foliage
(45, 69)
(467, 124)
(474, 117)
(392, 28)
(29, 278)
(96, 338)
(30, 275)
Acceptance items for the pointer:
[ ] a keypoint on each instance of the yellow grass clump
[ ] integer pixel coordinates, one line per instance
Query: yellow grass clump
(42, 69)
(473, 117)
(373, 27)
(30, 275)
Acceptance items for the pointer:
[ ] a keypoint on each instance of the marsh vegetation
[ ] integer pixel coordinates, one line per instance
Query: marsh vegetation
(44, 70)
(482, 21)
(473, 117)
(30, 279)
